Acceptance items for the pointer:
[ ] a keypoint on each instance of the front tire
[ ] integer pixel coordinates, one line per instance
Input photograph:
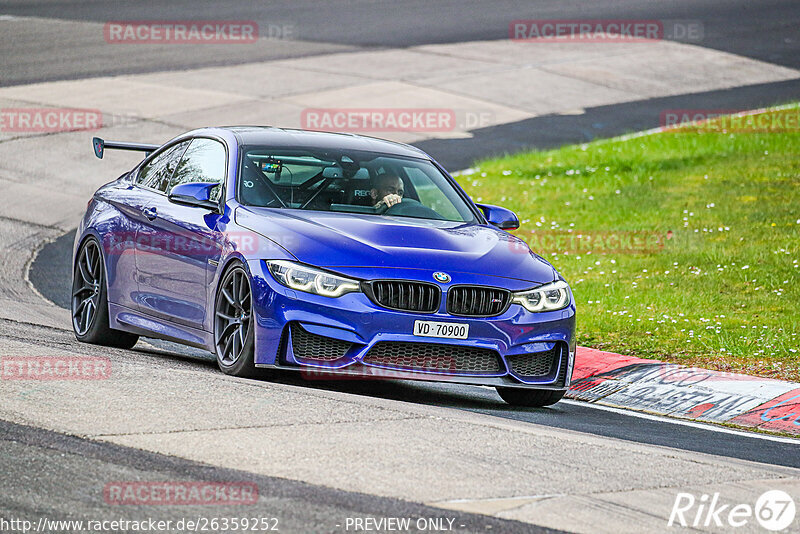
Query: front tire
(536, 398)
(234, 332)
(90, 320)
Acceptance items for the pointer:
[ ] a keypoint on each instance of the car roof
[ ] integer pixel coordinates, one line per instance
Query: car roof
(296, 138)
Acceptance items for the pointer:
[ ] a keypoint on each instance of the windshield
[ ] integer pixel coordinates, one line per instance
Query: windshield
(350, 182)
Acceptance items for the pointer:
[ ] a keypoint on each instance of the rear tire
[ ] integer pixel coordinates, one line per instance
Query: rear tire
(536, 398)
(90, 320)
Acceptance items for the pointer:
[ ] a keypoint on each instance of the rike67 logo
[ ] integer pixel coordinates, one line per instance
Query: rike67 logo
(774, 510)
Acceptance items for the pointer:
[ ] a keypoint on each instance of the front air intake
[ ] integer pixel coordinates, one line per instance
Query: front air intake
(315, 348)
(540, 365)
(434, 357)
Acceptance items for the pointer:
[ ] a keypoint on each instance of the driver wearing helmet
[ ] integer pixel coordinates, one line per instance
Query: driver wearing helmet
(387, 190)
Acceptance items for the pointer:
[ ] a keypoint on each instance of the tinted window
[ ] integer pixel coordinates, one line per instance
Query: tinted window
(158, 171)
(351, 181)
(430, 194)
(203, 161)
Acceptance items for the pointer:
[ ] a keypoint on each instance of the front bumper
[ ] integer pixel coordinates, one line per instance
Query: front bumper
(358, 325)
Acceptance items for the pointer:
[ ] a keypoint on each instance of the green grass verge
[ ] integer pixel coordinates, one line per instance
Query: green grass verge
(719, 290)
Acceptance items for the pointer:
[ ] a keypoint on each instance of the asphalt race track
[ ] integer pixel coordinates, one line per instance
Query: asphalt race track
(766, 30)
(323, 452)
(53, 462)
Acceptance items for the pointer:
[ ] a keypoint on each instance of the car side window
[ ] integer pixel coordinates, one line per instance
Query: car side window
(158, 171)
(203, 161)
(430, 194)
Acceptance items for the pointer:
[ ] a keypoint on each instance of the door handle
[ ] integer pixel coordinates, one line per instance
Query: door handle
(150, 213)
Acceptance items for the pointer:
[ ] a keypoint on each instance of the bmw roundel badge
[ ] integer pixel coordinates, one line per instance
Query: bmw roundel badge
(441, 277)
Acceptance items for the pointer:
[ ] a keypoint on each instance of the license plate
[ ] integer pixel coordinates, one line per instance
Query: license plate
(436, 329)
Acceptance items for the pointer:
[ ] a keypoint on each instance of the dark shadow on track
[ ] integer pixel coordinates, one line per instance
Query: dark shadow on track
(50, 463)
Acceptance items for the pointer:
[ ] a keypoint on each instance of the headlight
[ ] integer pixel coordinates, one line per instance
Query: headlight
(549, 297)
(303, 278)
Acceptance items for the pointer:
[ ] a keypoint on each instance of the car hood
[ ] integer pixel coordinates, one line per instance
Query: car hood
(354, 240)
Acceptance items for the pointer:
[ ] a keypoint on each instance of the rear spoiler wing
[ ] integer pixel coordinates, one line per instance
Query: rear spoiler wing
(100, 146)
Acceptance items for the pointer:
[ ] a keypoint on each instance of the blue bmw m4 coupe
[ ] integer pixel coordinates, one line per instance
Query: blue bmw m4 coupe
(333, 254)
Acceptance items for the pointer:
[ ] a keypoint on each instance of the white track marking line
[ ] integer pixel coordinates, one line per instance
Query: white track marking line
(683, 422)
(501, 499)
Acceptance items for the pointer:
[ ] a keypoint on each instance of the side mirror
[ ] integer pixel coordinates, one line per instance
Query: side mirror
(500, 217)
(195, 194)
(99, 147)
